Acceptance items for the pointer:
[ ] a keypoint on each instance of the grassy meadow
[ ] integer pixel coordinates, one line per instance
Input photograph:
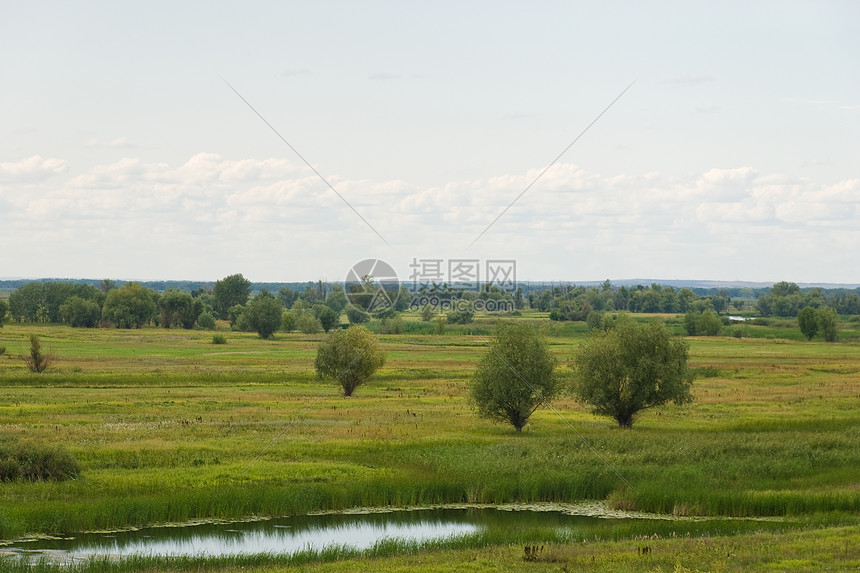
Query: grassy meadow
(169, 427)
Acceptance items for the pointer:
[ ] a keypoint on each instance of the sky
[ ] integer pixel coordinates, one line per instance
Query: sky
(404, 129)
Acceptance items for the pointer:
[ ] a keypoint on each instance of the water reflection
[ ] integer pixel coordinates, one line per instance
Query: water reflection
(291, 534)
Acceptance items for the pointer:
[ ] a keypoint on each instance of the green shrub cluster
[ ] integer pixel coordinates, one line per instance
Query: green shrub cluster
(29, 461)
(705, 323)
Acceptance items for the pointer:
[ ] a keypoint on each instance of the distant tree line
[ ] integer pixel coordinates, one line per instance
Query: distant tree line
(571, 302)
(787, 299)
(313, 307)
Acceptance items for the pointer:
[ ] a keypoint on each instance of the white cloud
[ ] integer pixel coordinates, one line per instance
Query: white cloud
(189, 220)
(31, 169)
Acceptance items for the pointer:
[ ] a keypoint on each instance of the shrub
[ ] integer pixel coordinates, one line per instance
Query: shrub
(391, 325)
(327, 317)
(807, 320)
(2, 350)
(206, 321)
(219, 339)
(288, 321)
(828, 323)
(36, 462)
(130, 306)
(706, 323)
(427, 313)
(38, 360)
(595, 320)
(710, 323)
(80, 313)
(461, 317)
(309, 324)
(356, 315)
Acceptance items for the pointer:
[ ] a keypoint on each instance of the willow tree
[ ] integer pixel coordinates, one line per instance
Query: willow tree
(515, 377)
(349, 357)
(630, 368)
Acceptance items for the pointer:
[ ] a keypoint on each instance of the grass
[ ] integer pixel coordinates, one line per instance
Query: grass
(168, 428)
(832, 549)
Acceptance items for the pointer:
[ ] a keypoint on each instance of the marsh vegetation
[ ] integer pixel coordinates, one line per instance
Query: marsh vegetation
(168, 428)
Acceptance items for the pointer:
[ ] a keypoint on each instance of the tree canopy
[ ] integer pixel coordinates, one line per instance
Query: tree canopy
(178, 308)
(828, 323)
(515, 377)
(264, 314)
(336, 299)
(327, 316)
(130, 306)
(81, 313)
(631, 367)
(350, 357)
(230, 291)
(807, 320)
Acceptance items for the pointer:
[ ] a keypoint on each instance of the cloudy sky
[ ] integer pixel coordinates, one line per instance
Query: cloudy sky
(734, 155)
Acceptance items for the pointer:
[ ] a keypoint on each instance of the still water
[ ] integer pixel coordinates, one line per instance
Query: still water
(291, 534)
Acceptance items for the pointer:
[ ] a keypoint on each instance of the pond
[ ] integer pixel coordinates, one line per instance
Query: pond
(292, 534)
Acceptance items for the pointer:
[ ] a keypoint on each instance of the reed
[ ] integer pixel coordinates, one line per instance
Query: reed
(167, 427)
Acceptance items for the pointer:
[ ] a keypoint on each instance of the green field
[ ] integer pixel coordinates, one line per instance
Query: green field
(169, 427)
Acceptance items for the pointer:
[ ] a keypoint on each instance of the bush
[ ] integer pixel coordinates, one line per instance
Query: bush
(427, 313)
(595, 320)
(177, 307)
(38, 360)
(130, 306)
(710, 323)
(391, 325)
(80, 313)
(288, 321)
(36, 462)
(206, 321)
(828, 323)
(461, 317)
(219, 339)
(309, 324)
(327, 317)
(2, 350)
(233, 314)
(706, 323)
(356, 315)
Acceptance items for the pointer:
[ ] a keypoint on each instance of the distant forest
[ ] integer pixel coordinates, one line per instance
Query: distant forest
(192, 304)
